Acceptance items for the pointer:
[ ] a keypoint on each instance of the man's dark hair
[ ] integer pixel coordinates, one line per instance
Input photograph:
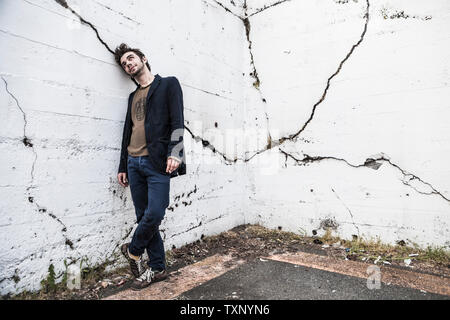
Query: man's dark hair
(124, 48)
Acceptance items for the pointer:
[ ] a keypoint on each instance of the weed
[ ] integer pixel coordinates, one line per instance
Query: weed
(371, 249)
(328, 237)
(437, 254)
(48, 284)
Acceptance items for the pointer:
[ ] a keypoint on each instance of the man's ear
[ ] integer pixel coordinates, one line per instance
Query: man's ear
(144, 60)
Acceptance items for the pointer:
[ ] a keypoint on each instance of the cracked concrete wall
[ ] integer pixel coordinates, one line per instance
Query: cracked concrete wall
(356, 101)
(304, 115)
(63, 101)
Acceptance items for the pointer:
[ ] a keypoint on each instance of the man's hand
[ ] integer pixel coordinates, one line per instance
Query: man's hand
(122, 177)
(172, 165)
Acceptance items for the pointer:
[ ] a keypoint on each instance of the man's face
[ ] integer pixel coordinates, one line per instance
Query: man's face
(132, 64)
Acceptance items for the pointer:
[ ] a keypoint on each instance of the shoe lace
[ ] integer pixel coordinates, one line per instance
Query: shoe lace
(140, 266)
(137, 263)
(148, 275)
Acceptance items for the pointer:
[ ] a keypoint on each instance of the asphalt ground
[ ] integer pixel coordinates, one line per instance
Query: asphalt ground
(292, 276)
(275, 280)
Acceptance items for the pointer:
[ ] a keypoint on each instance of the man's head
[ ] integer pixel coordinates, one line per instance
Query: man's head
(132, 60)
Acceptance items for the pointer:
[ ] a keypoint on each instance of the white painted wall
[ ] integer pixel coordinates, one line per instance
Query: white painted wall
(386, 99)
(62, 89)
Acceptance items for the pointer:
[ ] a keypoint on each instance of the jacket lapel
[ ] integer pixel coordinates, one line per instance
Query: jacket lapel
(153, 87)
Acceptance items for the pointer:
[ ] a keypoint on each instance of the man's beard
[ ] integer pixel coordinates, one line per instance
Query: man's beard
(138, 71)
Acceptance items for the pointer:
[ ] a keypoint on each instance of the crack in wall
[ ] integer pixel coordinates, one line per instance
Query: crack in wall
(206, 144)
(185, 231)
(293, 136)
(208, 92)
(117, 12)
(369, 163)
(254, 73)
(245, 8)
(349, 211)
(226, 9)
(27, 142)
(410, 177)
(214, 219)
(267, 7)
(245, 20)
(64, 4)
(322, 98)
(55, 47)
(44, 210)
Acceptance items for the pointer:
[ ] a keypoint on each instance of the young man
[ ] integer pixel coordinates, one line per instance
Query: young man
(152, 153)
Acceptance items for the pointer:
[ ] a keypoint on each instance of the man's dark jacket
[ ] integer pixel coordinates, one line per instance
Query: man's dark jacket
(164, 125)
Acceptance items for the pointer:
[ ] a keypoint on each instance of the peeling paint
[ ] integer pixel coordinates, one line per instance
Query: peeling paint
(328, 223)
(401, 15)
(371, 163)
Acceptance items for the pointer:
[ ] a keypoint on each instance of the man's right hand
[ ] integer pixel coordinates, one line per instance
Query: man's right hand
(122, 177)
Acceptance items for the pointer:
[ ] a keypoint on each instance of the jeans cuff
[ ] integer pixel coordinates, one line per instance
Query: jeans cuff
(133, 251)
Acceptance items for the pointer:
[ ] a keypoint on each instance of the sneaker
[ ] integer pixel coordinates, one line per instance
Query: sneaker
(135, 266)
(148, 277)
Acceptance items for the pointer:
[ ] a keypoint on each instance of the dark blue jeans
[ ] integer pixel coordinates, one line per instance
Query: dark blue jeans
(150, 192)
